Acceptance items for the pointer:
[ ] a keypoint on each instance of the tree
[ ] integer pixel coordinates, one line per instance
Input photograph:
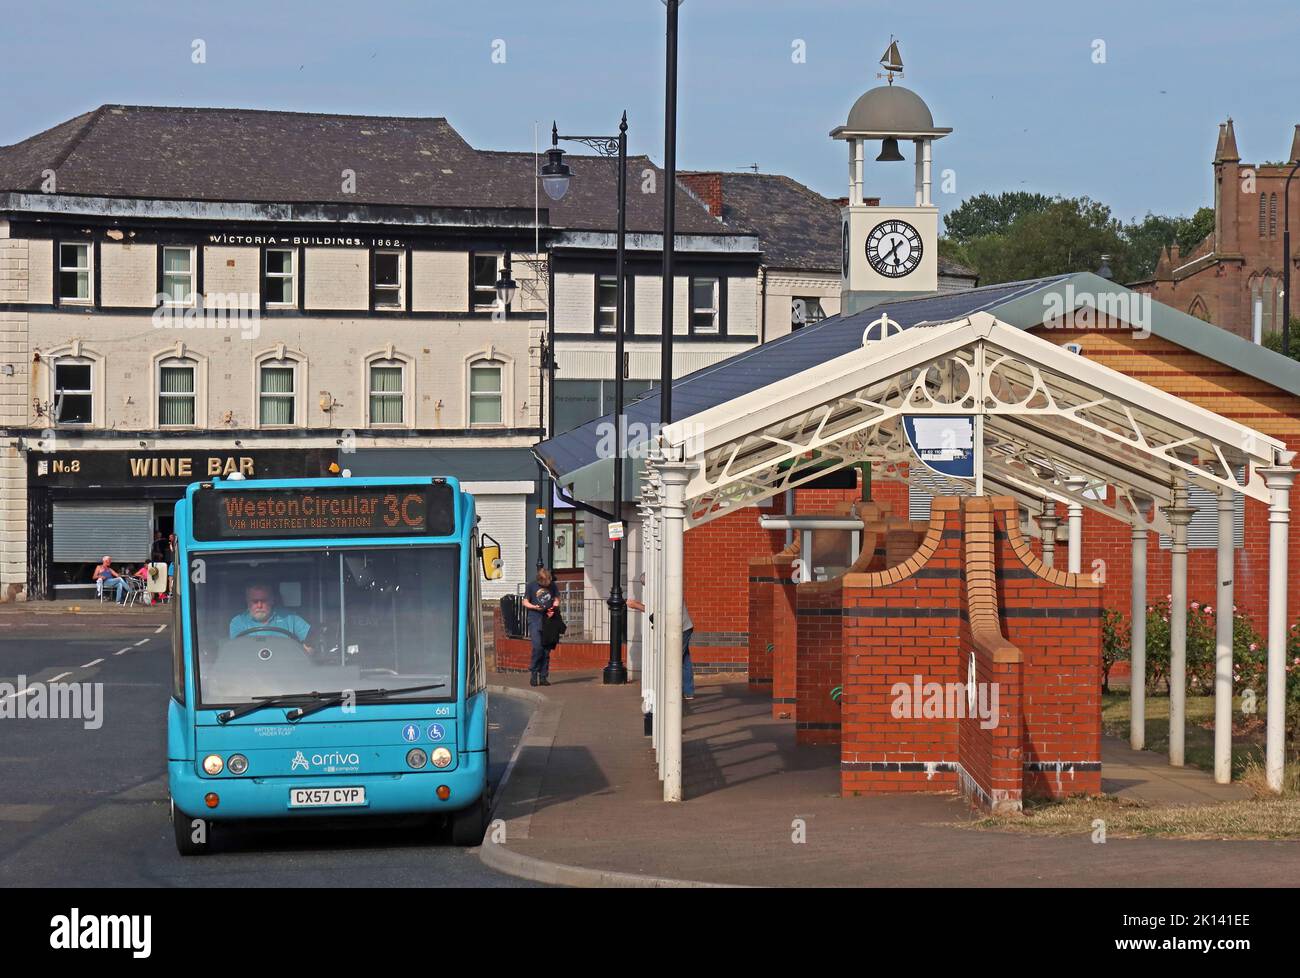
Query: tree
(1068, 235)
(1273, 341)
(1156, 231)
(984, 214)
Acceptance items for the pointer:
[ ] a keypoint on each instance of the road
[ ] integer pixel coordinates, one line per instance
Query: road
(88, 807)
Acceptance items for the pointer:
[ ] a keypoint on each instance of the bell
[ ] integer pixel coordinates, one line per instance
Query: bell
(889, 151)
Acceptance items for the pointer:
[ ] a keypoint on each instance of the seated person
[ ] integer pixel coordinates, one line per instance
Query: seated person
(112, 579)
(261, 611)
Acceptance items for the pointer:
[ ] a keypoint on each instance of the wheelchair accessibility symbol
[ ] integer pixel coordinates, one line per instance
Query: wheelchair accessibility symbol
(436, 732)
(410, 733)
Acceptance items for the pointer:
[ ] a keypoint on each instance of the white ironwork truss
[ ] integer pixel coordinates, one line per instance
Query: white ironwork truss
(1045, 413)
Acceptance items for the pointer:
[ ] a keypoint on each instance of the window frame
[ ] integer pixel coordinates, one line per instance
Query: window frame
(474, 305)
(192, 274)
(805, 299)
(72, 360)
(606, 281)
(291, 278)
(399, 292)
(718, 289)
(60, 270)
(500, 393)
(281, 362)
(177, 362)
(400, 394)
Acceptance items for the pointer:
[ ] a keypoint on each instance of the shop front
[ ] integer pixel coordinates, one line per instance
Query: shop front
(85, 505)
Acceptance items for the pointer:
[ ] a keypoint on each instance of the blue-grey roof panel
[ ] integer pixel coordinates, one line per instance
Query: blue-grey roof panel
(776, 360)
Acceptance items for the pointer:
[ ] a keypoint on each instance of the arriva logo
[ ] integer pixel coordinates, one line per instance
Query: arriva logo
(335, 759)
(299, 762)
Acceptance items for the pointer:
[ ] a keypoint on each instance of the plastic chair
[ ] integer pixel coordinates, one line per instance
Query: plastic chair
(99, 589)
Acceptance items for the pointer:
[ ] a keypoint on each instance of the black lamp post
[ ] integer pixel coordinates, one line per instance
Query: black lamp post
(1286, 260)
(556, 176)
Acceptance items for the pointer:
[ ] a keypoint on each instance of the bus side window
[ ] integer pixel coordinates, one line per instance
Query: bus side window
(178, 651)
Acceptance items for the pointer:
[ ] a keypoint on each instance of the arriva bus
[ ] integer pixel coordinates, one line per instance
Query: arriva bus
(328, 654)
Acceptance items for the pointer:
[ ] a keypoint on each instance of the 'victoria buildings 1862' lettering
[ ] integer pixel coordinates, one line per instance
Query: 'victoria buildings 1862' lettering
(308, 240)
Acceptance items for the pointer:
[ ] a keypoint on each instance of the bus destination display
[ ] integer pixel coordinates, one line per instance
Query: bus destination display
(326, 512)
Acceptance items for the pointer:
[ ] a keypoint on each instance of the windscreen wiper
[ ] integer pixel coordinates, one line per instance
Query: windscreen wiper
(334, 699)
(262, 702)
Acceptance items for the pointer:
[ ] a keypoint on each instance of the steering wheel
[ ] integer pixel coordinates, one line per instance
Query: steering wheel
(257, 629)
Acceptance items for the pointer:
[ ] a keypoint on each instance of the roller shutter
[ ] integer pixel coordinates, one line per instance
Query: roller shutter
(504, 519)
(88, 531)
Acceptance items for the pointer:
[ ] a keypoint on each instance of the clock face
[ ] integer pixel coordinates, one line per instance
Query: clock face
(894, 248)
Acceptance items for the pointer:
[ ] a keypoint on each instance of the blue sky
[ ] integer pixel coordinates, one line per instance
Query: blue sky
(1017, 80)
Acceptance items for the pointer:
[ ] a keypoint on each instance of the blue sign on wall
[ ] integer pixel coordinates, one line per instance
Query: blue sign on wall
(945, 444)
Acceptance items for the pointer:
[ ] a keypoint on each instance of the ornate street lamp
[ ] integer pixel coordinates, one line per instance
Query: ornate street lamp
(556, 177)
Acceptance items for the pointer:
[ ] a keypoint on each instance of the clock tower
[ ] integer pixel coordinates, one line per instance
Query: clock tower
(890, 251)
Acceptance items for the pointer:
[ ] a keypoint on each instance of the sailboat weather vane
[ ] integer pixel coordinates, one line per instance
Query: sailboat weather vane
(892, 62)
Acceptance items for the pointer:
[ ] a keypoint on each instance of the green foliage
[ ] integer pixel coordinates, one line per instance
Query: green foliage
(984, 214)
(1023, 235)
(1273, 341)
(1115, 632)
(1146, 237)
(1247, 649)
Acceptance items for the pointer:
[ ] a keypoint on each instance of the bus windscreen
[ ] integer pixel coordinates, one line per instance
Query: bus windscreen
(326, 512)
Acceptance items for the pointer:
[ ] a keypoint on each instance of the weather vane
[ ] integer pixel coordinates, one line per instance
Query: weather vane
(892, 62)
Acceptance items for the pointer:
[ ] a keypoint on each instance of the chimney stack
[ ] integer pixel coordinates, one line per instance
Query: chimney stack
(707, 187)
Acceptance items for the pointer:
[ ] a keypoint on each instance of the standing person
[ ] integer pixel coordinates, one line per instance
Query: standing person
(553, 627)
(688, 629)
(544, 584)
(112, 579)
(158, 550)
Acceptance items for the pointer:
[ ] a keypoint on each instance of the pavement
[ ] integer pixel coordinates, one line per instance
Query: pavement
(582, 806)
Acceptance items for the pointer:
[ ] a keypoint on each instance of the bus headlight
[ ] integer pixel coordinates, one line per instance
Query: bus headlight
(237, 764)
(417, 758)
(441, 757)
(213, 764)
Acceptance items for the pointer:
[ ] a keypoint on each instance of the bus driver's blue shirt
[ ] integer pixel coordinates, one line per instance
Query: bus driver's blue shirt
(279, 619)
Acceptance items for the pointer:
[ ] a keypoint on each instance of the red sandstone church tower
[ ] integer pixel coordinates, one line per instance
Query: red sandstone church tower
(1233, 278)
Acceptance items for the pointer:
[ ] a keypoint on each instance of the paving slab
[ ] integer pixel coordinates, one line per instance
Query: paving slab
(583, 806)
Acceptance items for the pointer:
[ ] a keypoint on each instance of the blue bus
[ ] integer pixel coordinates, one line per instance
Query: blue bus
(328, 654)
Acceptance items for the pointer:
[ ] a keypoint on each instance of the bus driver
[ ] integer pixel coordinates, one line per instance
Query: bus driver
(262, 611)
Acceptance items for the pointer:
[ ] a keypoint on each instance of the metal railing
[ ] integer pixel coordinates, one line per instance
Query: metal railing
(587, 618)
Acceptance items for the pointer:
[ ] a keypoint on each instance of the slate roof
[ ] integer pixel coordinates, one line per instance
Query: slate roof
(261, 156)
(799, 228)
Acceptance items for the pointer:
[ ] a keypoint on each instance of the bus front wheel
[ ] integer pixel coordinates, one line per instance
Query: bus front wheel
(469, 824)
(193, 835)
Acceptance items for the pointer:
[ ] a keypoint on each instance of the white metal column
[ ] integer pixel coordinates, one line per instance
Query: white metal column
(675, 474)
(1137, 689)
(1048, 523)
(1279, 481)
(1223, 644)
(1179, 516)
(1075, 509)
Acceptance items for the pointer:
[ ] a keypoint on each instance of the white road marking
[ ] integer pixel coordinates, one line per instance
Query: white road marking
(61, 675)
(94, 662)
(159, 629)
(123, 651)
(140, 643)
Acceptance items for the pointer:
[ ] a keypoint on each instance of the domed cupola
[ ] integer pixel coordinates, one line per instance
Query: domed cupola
(889, 250)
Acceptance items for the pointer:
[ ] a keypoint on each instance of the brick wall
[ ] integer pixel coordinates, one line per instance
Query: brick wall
(819, 627)
(1215, 387)
(898, 624)
(515, 654)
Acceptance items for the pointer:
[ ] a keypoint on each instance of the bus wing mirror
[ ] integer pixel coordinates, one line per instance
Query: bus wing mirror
(489, 553)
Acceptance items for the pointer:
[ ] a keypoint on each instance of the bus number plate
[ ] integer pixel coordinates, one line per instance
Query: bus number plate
(326, 797)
